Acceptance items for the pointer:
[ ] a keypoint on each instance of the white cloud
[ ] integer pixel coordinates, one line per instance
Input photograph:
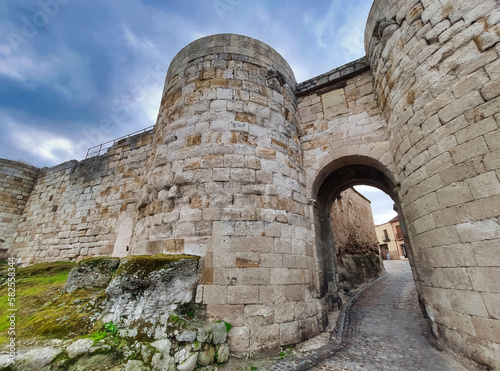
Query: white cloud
(46, 146)
(323, 28)
(143, 44)
(63, 71)
(381, 203)
(352, 32)
(16, 66)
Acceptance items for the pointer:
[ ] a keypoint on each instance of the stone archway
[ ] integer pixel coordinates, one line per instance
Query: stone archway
(340, 175)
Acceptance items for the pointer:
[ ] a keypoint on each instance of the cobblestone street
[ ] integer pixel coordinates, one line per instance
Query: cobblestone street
(384, 330)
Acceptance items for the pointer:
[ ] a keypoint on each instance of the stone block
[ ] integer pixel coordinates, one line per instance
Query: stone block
(271, 294)
(295, 292)
(289, 333)
(269, 260)
(256, 276)
(461, 301)
(460, 105)
(284, 312)
(468, 150)
(475, 129)
(306, 309)
(242, 175)
(289, 261)
(453, 278)
(484, 185)
(190, 215)
(273, 230)
(492, 159)
(308, 328)
(488, 328)
(438, 237)
(211, 213)
(229, 276)
(486, 253)
(234, 161)
(233, 314)
(223, 228)
(239, 340)
(244, 262)
(485, 279)
(252, 244)
(280, 276)
(454, 194)
(488, 229)
(457, 321)
(259, 315)
(266, 339)
(492, 303)
(215, 294)
(243, 295)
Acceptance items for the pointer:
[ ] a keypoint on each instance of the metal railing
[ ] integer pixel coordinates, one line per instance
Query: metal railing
(96, 150)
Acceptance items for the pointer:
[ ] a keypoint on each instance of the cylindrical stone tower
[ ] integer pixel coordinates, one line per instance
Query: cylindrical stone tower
(436, 76)
(226, 182)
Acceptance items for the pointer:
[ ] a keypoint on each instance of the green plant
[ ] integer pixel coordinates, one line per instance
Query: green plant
(228, 326)
(111, 328)
(190, 314)
(174, 318)
(282, 355)
(98, 335)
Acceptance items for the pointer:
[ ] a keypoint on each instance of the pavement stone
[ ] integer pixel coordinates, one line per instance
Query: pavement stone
(381, 328)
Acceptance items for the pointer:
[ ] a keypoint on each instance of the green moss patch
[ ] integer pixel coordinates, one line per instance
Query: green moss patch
(45, 310)
(42, 307)
(148, 263)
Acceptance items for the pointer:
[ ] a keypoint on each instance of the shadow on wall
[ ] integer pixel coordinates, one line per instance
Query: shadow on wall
(355, 242)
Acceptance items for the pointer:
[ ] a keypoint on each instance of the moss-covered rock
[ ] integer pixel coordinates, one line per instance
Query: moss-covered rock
(72, 332)
(92, 273)
(146, 290)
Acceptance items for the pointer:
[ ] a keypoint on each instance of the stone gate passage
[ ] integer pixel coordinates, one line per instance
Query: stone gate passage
(243, 165)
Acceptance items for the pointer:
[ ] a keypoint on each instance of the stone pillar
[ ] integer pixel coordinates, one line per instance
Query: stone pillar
(436, 76)
(226, 182)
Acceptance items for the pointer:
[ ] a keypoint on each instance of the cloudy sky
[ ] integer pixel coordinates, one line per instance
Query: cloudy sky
(77, 73)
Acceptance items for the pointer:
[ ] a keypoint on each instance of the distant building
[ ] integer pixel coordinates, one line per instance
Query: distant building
(390, 240)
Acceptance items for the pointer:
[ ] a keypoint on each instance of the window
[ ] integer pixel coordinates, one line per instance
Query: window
(386, 236)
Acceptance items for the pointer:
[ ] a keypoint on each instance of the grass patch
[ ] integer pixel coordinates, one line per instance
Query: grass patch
(43, 309)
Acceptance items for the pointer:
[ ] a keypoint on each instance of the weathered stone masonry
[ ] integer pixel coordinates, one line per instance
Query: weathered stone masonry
(436, 72)
(356, 258)
(75, 208)
(16, 183)
(244, 166)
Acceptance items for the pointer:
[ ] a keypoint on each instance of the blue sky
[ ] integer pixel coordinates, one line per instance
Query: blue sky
(77, 73)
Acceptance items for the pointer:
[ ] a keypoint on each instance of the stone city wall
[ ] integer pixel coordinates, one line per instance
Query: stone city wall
(245, 166)
(436, 71)
(74, 208)
(16, 182)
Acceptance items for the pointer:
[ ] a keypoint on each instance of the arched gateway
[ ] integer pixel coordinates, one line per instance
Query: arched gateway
(243, 165)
